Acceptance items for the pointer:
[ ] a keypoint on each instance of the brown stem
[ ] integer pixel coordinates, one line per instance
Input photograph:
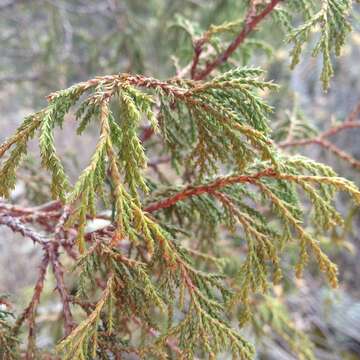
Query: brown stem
(53, 252)
(208, 188)
(198, 48)
(17, 226)
(146, 134)
(249, 26)
(321, 139)
(318, 139)
(29, 312)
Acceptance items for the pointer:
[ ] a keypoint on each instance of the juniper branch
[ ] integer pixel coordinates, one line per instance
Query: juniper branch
(321, 140)
(140, 251)
(251, 22)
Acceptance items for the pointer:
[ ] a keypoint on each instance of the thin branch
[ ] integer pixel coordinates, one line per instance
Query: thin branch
(208, 188)
(53, 251)
(146, 134)
(321, 139)
(318, 139)
(17, 226)
(30, 311)
(250, 24)
(52, 255)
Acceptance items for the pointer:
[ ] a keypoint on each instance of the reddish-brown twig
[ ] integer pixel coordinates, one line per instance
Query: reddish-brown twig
(57, 268)
(146, 134)
(51, 249)
(250, 24)
(321, 139)
(208, 188)
(17, 226)
(30, 311)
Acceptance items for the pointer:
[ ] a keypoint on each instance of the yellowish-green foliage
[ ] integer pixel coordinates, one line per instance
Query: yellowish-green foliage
(141, 271)
(8, 342)
(273, 319)
(330, 20)
(228, 121)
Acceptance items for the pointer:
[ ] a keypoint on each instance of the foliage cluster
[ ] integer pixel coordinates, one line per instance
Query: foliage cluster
(158, 280)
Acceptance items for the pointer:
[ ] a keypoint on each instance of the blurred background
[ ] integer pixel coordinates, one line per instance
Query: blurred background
(46, 45)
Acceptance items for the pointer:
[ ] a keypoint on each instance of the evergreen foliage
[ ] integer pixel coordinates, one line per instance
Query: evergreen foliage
(155, 281)
(8, 342)
(331, 21)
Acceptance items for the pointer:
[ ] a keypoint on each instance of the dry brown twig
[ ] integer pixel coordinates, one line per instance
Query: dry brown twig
(251, 21)
(322, 139)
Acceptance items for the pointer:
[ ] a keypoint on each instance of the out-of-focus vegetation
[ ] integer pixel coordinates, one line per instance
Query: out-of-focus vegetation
(47, 45)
